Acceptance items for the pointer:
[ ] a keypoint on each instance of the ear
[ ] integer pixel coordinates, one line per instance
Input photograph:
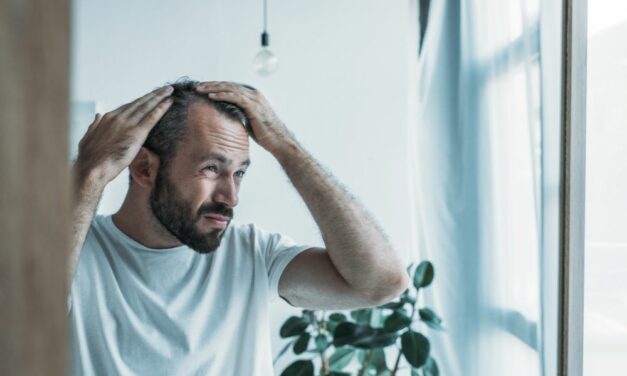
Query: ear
(144, 168)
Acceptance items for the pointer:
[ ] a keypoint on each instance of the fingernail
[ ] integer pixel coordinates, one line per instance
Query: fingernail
(212, 94)
(169, 89)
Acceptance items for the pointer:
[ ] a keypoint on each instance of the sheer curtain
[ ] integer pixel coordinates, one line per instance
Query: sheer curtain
(476, 152)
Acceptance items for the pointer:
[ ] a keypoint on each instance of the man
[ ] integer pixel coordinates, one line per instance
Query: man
(168, 285)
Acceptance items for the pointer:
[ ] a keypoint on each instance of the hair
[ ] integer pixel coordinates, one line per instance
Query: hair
(171, 128)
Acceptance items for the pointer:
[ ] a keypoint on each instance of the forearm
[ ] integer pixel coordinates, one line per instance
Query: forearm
(87, 192)
(110, 144)
(355, 243)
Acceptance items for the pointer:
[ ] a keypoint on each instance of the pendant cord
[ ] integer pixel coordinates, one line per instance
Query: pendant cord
(265, 16)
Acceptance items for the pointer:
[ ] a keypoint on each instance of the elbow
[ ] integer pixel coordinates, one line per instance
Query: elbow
(392, 290)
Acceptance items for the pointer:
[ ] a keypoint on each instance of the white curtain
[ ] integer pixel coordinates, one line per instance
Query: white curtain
(476, 152)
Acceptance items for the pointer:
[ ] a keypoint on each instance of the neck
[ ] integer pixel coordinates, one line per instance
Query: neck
(136, 220)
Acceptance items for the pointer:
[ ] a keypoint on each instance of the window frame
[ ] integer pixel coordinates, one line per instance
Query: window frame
(572, 187)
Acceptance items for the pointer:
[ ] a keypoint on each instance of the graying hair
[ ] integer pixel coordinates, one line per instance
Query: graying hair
(171, 128)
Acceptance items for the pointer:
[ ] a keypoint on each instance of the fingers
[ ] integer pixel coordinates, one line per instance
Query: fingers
(149, 121)
(214, 86)
(91, 128)
(139, 108)
(125, 106)
(127, 109)
(119, 109)
(208, 86)
(248, 105)
(94, 123)
(248, 87)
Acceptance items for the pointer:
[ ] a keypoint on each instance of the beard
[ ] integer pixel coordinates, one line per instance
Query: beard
(178, 217)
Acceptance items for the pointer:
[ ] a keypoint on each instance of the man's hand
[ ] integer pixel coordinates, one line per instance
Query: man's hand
(268, 130)
(358, 263)
(109, 146)
(112, 141)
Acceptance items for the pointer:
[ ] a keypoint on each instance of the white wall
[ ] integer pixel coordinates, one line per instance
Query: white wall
(341, 88)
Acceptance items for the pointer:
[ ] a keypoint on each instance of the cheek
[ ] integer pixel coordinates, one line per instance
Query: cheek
(201, 191)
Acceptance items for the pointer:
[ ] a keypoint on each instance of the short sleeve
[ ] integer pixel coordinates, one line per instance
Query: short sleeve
(278, 250)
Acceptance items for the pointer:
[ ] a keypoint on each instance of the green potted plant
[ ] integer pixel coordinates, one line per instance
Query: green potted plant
(338, 340)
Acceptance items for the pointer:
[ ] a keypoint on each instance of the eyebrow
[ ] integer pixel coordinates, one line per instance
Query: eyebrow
(220, 158)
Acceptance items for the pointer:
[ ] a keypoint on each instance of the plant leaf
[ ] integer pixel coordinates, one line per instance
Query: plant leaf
(430, 368)
(409, 268)
(287, 346)
(348, 332)
(334, 319)
(377, 317)
(392, 305)
(331, 325)
(340, 358)
(308, 315)
(299, 368)
(322, 342)
(294, 326)
(377, 359)
(301, 343)
(361, 355)
(408, 299)
(396, 321)
(337, 317)
(362, 316)
(423, 276)
(337, 373)
(378, 338)
(430, 318)
(415, 347)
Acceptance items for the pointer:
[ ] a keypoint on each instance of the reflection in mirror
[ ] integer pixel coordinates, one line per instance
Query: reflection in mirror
(194, 242)
(228, 222)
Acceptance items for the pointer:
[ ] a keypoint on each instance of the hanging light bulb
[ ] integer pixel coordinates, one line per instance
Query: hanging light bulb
(265, 62)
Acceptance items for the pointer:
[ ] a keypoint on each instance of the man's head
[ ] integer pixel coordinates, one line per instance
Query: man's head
(199, 153)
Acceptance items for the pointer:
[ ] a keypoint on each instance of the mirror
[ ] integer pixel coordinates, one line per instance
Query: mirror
(341, 87)
(440, 138)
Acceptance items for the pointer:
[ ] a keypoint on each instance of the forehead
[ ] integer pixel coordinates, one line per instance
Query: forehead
(211, 132)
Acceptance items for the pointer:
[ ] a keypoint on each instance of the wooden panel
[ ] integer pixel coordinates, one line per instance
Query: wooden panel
(34, 186)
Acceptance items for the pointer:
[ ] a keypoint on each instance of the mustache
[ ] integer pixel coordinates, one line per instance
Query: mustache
(218, 208)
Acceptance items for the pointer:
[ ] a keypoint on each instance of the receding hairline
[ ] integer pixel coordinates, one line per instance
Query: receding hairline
(196, 105)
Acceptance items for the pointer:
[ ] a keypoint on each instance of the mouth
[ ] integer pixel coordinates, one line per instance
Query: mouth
(217, 220)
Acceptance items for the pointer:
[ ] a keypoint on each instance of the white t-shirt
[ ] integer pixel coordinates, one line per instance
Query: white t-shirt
(134, 310)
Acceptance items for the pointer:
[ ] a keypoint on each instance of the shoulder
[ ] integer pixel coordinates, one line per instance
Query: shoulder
(92, 254)
(263, 241)
(256, 233)
(99, 238)
(248, 234)
(96, 229)
(99, 223)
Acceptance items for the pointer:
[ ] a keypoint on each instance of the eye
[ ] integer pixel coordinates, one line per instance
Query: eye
(211, 168)
(240, 174)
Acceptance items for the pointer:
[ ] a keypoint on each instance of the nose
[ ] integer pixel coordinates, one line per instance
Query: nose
(226, 192)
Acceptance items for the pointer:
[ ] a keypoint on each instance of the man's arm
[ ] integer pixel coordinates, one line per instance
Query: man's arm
(87, 193)
(359, 266)
(110, 144)
(355, 244)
